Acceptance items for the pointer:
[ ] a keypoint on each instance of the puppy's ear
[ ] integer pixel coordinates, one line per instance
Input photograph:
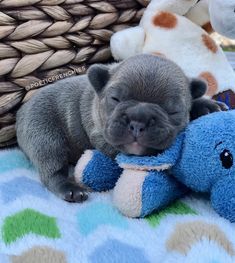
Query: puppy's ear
(198, 88)
(98, 76)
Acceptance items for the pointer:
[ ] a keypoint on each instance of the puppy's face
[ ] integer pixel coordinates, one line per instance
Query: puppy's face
(144, 103)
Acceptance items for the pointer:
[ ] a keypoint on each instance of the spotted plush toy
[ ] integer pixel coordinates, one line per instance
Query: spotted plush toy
(201, 159)
(178, 30)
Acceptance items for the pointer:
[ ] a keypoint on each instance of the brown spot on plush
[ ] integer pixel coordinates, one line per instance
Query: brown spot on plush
(158, 54)
(208, 28)
(212, 85)
(40, 255)
(165, 20)
(186, 235)
(209, 43)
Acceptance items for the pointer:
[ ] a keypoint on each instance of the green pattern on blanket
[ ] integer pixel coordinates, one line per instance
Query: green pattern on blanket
(177, 208)
(28, 221)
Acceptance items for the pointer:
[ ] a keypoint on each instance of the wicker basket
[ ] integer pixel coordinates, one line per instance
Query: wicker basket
(46, 40)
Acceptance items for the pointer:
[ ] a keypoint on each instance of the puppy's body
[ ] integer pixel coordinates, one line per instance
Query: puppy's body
(137, 107)
(52, 112)
(56, 126)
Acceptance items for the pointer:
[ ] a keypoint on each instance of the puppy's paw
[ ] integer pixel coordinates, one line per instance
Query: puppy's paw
(73, 193)
(204, 106)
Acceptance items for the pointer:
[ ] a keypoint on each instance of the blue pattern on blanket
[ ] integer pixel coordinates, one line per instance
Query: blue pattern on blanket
(14, 159)
(121, 253)
(99, 214)
(22, 186)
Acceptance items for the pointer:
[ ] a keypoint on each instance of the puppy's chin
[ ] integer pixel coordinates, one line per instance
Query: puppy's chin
(135, 148)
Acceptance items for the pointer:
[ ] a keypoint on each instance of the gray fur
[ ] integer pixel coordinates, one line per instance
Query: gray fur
(66, 118)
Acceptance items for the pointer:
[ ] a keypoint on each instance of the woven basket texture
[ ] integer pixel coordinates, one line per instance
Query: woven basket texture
(42, 41)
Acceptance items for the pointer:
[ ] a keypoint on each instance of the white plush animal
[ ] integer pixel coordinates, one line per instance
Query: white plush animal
(177, 29)
(222, 17)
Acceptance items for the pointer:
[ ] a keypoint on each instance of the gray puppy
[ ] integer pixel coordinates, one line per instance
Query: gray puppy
(137, 107)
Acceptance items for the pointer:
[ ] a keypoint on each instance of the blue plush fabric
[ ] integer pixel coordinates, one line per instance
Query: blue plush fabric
(168, 157)
(223, 197)
(207, 160)
(158, 190)
(206, 138)
(101, 173)
(202, 159)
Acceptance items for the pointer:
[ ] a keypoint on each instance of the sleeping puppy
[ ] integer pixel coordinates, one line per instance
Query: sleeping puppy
(136, 107)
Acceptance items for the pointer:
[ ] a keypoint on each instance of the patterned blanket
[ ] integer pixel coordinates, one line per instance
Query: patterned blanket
(37, 227)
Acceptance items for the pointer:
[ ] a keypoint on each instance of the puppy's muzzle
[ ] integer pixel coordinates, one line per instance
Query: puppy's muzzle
(137, 128)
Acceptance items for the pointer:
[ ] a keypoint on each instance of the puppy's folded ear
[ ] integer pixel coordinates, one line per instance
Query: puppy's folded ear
(98, 76)
(198, 88)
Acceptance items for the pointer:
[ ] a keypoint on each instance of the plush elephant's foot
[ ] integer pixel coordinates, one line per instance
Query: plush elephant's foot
(127, 194)
(223, 197)
(139, 193)
(158, 191)
(96, 171)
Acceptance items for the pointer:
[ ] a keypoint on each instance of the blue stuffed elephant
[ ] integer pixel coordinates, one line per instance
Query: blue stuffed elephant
(201, 159)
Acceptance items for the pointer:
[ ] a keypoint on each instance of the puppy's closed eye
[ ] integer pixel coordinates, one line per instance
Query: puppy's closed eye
(152, 122)
(115, 99)
(173, 113)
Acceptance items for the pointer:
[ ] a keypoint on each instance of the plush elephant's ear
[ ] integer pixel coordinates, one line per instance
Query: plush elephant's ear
(98, 76)
(198, 88)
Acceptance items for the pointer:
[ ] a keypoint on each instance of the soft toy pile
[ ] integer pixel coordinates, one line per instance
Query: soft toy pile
(177, 29)
(201, 159)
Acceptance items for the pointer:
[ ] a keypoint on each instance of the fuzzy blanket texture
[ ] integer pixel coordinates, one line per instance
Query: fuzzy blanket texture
(38, 227)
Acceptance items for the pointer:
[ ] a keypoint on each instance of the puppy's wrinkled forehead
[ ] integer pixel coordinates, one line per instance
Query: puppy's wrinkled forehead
(148, 78)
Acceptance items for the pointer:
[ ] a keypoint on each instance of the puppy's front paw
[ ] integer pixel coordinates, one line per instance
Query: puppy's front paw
(73, 193)
(204, 106)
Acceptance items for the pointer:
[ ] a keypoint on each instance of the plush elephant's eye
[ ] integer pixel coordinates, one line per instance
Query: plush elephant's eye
(227, 159)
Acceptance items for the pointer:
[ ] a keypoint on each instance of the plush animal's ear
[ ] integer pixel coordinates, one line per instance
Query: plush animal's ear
(98, 76)
(198, 88)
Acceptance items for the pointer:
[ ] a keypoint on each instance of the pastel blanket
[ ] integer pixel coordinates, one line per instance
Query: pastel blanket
(36, 227)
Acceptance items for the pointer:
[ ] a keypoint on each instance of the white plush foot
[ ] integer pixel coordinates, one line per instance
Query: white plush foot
(81, 165)
(127, 43)
(127, 194)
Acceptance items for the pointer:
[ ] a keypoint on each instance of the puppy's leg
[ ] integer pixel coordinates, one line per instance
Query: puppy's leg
(203, 106)
(64, 187)
(47, 148)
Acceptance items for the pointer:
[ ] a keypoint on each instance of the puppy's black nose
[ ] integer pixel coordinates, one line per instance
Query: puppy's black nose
(137, 128)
